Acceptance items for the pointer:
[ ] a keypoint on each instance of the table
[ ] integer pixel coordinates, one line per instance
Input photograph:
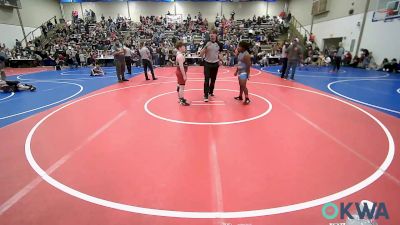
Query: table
(105, 61)
(22, 63)
(193, 59)
(272, 60)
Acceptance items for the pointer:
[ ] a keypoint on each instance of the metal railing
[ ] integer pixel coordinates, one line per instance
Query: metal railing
(299, 27)
(32, 35)
(300, 31)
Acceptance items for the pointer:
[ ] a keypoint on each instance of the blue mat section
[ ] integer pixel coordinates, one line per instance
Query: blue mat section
(53, 88)
(375, 89)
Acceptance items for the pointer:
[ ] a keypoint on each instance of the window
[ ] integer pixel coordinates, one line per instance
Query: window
(319, 7)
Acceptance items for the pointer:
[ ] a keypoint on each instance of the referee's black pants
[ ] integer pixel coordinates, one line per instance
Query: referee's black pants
(210, 75)
(128, 62)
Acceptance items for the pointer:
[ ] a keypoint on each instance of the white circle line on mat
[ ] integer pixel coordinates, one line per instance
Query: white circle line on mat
(329, 86)
(197, 215)
(20, 77)
(222, 78)
(44, 106)
(7, 97)
(146, 108)
(323, 73)
(222, 72)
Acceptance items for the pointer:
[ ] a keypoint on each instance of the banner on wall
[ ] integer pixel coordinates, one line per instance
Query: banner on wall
(174, 18)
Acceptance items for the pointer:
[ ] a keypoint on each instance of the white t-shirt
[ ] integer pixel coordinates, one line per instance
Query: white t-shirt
(145, 53)
(328, 60)
(128, 52)
(213, 50)
(284, 54)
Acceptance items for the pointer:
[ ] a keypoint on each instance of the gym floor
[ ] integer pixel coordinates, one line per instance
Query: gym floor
(88, 150)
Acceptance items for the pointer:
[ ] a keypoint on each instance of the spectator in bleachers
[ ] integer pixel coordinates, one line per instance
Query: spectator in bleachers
(82, 58)
(255, 51)
(18, 44)
(232, 55)
(312, 38)
(171, 59)
(264, 59)
(74, 16)
(289, 17)
(72, 60)
(49, 25)
(94, 40)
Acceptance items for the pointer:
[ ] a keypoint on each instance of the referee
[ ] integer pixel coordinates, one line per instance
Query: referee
(212, 60)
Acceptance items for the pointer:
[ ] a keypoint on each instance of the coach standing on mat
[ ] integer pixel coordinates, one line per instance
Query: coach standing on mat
(146, 61)
(212, 60)
(295, 56)
(284, 59)
(119, 58)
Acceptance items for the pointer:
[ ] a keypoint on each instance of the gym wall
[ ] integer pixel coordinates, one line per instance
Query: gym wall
(379, 37)
(209, 10)
(382, 39)
(248, 9)
(33, 14)
(301, 9)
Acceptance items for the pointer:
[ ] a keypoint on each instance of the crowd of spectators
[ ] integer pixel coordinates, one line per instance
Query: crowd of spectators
(82, 41)
(364, 60)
